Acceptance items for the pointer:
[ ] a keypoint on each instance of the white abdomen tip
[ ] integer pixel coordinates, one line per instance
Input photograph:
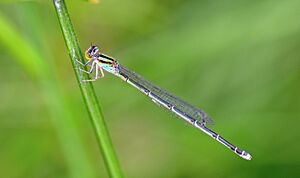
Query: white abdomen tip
(246, 156)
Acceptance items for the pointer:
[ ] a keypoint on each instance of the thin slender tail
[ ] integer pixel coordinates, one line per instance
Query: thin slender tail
(224, 142)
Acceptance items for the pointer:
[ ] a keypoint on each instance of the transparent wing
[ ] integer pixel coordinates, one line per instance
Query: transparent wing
(183, 106)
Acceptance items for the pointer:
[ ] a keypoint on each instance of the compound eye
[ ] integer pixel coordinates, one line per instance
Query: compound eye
(90, 51)
(94, 50)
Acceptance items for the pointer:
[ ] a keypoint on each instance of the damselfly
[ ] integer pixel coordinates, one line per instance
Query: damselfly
(196, 117)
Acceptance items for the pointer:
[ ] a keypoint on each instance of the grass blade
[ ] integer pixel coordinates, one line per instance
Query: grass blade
(88, 92)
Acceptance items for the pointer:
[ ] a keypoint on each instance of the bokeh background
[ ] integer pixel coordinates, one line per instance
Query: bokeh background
(238, 60)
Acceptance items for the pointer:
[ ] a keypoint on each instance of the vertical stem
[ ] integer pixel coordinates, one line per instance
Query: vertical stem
(88, 92)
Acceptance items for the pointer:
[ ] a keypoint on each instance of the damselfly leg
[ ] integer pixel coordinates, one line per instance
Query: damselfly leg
(84, 64)
(93, 66)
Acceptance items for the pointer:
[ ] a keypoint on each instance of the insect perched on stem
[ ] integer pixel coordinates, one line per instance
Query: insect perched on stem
(99, 62)
(195, 116)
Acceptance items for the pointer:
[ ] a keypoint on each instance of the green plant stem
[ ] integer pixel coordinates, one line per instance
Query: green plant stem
(88, 92)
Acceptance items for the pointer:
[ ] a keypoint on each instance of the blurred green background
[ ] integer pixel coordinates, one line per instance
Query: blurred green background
(238, 60)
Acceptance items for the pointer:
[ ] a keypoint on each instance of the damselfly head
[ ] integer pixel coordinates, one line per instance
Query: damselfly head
(91, 52)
